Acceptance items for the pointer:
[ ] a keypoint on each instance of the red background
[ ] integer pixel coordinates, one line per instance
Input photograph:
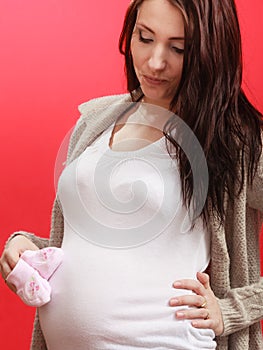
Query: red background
(55, 55)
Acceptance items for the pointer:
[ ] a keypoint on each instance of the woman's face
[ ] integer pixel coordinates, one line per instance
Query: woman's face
(157, 48)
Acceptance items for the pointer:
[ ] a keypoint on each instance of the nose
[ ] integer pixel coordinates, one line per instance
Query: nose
(157, 60)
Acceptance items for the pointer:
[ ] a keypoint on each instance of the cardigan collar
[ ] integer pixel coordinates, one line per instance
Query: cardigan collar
(97, 115)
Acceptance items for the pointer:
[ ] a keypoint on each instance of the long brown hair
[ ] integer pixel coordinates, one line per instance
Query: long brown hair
(209, 99)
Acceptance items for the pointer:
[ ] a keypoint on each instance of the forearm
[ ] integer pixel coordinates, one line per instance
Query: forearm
(242, 307)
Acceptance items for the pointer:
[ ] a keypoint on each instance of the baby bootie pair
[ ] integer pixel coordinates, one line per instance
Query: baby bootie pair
(31, 274)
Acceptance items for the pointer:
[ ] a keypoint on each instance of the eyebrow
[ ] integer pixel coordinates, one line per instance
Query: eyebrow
(151, 31)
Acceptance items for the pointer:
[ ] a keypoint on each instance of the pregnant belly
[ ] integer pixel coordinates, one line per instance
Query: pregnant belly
(101, 303)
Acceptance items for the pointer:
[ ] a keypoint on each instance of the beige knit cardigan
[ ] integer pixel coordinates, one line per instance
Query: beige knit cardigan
(235, 258)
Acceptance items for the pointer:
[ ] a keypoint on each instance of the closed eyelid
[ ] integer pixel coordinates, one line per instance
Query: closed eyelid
(147, 36)
(144, 36)
(143, 27)
(141, 31)
(178, 46)
(178, 50)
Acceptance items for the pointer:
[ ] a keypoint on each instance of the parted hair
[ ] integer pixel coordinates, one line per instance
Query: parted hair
(209, 99)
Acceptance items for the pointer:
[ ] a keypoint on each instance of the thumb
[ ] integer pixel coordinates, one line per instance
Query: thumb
(204, 279)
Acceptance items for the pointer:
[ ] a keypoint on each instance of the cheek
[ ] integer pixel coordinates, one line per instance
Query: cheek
(134, 57)
(138, 55)
(178, 69)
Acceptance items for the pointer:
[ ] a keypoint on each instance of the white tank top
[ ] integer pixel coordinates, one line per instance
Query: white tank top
(126, 240)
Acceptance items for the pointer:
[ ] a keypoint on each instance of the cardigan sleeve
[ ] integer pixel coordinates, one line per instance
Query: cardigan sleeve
(242, 307)
(255, 191)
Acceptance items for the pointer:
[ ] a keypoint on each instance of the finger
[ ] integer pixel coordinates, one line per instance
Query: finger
(203, 324)
(7, 262)
(11, 286)
(191, 314)
(5, 269)
(189, 300)
(192, 285)
(204, 279)
(10, 258)
(213, 324)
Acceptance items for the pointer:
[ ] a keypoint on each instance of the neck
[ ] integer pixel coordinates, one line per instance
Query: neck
(163, 104)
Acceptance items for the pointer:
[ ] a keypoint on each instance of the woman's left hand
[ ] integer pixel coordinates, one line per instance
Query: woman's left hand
(205, 311)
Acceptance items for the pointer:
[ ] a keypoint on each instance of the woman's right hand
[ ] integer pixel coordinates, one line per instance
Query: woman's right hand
(11, 254)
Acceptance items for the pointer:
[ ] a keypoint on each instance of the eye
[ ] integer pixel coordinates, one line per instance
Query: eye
(143, 39)
(177, 50)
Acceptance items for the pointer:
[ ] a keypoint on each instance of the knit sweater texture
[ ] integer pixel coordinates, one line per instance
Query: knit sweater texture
(235, 256)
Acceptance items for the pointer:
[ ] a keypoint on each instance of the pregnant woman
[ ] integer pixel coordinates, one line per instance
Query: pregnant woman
(158, 210)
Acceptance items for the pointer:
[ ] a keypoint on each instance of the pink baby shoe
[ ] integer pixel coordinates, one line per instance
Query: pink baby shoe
(45, 260)
(31, 274)
(31, 287)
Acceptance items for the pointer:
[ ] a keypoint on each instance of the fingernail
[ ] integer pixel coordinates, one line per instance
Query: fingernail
(174, 301)
(177, 284)
(180, 314)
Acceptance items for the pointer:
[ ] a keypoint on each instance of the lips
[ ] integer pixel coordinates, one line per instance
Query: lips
(154, 81)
